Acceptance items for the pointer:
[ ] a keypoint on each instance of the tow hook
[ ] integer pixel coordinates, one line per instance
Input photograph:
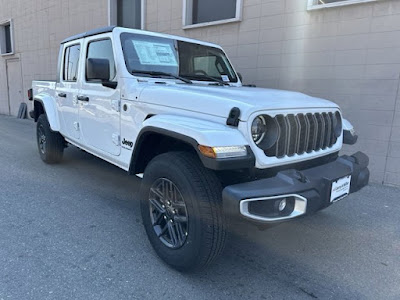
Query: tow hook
(300, 177)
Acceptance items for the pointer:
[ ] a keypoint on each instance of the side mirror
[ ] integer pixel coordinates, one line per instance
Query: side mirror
(98, 69)
(240, 77)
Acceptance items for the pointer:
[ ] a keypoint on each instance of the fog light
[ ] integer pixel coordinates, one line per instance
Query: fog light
(282, 205)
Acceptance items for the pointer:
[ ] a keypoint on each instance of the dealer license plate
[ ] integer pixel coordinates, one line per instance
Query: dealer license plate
(340, 188)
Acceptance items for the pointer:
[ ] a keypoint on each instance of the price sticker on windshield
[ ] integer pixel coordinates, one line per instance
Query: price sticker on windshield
(157, 54)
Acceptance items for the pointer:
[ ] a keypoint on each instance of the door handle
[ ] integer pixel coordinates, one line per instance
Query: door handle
(62, 95)
(83, 98)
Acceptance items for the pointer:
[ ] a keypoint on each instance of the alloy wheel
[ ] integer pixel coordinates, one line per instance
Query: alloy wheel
(168, 213)
(41, 139)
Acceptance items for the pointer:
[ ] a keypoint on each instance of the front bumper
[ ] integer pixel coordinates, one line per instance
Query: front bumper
(305, 191)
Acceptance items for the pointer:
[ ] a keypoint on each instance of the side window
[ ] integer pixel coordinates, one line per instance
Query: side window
(103, 49)
(71, 63)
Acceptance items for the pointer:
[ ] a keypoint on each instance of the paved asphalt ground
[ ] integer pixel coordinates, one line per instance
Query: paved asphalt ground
(73, 231)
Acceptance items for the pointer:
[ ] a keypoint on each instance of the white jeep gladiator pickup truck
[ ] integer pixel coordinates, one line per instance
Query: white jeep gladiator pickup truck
(174, 111)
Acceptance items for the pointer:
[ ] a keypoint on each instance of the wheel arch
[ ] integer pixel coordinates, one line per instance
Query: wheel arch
(38, 109)
(44, 104)
(153, 141)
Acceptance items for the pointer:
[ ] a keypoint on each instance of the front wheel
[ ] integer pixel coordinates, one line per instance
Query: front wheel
(182, 211)
(50, 144)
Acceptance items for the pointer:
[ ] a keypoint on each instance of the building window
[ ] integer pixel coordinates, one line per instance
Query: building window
(6, 38)
(199, 13)
(71, 63)
(317, 4)
(127, 13)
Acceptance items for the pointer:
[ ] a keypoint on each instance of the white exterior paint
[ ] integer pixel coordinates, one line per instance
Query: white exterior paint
(68, 106)
(99, 119)
(198, 111)
(45, 92)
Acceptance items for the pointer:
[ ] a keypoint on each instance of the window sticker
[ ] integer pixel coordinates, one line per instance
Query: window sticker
(155, 53)
(225, 78)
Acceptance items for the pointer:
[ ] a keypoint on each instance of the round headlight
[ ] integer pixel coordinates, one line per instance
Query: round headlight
(258, 129)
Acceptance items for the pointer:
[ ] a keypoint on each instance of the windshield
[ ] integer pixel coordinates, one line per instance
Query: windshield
(192, 61)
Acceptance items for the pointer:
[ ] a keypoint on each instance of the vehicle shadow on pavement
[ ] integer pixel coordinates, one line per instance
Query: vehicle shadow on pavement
(261, 264)
(73, 231)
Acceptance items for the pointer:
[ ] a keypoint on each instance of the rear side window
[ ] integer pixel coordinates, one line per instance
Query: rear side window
(71, 63)
(103, 49)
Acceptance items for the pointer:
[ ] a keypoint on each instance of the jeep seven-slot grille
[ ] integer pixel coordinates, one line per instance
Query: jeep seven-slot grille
(303, 133)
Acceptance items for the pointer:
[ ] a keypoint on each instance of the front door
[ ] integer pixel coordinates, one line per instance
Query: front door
(67, 91)
(99, 113)
(14, 82)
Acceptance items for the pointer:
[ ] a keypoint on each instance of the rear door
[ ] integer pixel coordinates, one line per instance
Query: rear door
(68, 88)
(99, 114)
(14, 83)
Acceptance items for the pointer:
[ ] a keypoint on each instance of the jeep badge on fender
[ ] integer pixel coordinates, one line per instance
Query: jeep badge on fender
(127, 143)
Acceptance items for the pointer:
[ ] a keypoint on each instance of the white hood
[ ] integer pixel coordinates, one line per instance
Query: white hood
(219, 100)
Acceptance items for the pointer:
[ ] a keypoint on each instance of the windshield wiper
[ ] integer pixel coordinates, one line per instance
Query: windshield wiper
(157, 73)
(219, 81)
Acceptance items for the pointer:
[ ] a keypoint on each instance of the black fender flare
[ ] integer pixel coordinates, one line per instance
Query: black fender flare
(210, 163)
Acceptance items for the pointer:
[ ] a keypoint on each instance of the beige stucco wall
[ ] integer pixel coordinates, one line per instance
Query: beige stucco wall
(350, 55)
(39, 26)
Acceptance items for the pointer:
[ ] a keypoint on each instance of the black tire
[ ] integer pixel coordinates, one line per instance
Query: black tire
(202, 195)
(50, 144)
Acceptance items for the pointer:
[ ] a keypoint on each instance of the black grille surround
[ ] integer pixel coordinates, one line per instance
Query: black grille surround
(302, 133)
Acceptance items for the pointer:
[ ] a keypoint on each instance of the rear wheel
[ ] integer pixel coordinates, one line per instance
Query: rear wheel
(182, 211)
(50, 144)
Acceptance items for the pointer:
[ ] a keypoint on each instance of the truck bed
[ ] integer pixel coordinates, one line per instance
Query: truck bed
(44, 87)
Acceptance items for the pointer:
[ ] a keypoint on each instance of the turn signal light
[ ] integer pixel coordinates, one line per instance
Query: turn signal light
(207, 151)
(223, 151)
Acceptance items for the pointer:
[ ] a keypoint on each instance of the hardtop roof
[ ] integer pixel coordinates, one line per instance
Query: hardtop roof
(88, 33)
(137, 31)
